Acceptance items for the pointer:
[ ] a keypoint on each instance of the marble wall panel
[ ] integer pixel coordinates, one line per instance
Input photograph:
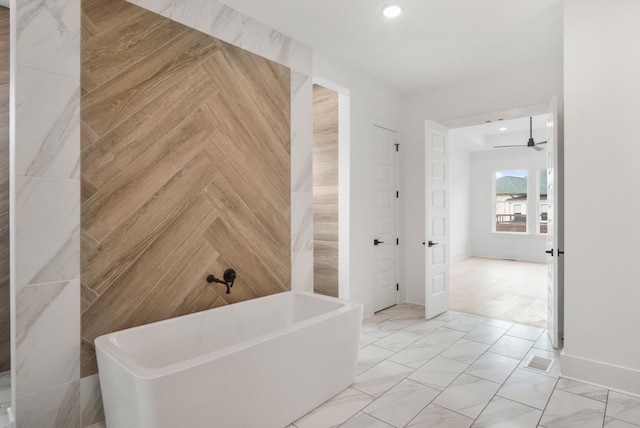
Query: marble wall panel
(47, 350)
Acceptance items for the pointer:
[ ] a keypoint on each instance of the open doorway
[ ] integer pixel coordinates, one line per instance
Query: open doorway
(499, 220)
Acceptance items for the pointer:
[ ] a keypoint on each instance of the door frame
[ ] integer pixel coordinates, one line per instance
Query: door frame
(533, 110)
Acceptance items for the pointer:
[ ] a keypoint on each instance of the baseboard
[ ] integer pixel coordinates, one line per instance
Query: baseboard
(622, 379)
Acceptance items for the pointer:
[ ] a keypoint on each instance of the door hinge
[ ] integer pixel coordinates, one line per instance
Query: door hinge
(397, 194)
(397, 146)
(397, 241)
(397, 287)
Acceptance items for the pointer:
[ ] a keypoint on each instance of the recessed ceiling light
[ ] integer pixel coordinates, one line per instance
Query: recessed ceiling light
(392, 11)
(503, 129)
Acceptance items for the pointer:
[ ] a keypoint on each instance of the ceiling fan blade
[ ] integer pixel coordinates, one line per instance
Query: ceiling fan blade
(541, 143)
(539, 149)
(514, 145)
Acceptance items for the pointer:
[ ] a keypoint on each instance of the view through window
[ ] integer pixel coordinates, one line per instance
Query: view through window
(511, 201)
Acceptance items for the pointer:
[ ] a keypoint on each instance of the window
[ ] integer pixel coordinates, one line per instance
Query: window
(511, 201)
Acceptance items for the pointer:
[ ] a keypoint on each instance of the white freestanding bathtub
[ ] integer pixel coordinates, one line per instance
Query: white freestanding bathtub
(259, 363)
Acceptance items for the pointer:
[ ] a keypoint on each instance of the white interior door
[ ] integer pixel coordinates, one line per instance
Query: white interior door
(436, 219)
(555, 259)
(385, 200)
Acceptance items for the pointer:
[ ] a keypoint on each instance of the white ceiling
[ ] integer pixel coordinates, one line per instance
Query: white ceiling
(488, 135)
(433, 43)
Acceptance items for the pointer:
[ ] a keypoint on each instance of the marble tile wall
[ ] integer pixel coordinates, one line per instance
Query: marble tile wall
(45, 216)
(45, 196)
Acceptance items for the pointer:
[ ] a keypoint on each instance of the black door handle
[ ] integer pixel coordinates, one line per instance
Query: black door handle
(431, 243)
(376, 242)
(550, 252)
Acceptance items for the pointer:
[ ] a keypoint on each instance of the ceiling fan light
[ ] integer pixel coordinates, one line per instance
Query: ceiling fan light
(392, 11)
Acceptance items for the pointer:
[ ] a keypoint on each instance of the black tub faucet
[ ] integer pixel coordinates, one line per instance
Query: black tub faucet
(228, 278)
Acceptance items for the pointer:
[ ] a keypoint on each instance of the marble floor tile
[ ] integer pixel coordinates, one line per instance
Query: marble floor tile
(408, 317)
(381, 377)
(464, 323)
(503, 413)
(485, 334)
(362, 420)
(583, 389)
(570, 410)
(544, 342)
(617, 423)
(335, 411)
(398, 340)
(375, 319)
(513, 347)
(527, 387)
(383, 329)
(624, 407)
(493, 367)
(443, 336)
(439, 372)
(366, 340)
(424, 327)
(506, 325)
(525, 332)
(434, 416)
(401, 403)
(465, 350)
(398, 309)
(370, 356)
(448, 316)
(467, 395)
(417, 354)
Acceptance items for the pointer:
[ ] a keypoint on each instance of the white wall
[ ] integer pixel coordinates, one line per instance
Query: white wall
(460, 212)
(485, 242)
(370, 103)
(602, 273)
(518, 92)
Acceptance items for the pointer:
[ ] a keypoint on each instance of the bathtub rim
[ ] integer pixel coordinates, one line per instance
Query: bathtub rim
(105, 343)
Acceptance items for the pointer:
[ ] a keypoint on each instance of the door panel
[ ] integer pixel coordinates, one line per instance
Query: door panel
(385, 224)
(437, 219)
(554, 232)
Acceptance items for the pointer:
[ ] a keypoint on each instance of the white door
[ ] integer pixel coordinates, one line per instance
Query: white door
(436, 219)
(555, 259)
(385, 200)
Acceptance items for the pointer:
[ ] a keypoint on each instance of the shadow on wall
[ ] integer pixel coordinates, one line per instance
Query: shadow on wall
(185, 171)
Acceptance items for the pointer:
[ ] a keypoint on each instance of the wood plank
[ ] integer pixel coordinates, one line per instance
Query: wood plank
(241, 111)
(118, 99)
(124, 295)
(105, 157)
(248, 264)
(122, 247)
(104, 15)
(132, 41)
(236, 212)
(325, 190)
(127, 192)
(187, 278)
(271, 207)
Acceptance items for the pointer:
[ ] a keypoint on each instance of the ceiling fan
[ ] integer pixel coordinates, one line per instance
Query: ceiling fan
(530, 143)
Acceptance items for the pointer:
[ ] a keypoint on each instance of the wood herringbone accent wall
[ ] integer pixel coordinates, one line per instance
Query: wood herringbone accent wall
(185, 171)
(5, 335)
(325, 191)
